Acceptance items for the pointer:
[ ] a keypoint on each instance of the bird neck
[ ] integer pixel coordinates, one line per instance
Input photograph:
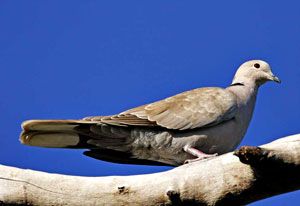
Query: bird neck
(246, 97)
(249, 83)
(245, 90)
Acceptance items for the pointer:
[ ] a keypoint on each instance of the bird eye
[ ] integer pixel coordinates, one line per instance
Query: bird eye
(257, 65)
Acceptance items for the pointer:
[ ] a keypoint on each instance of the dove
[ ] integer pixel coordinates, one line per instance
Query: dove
(188, 127)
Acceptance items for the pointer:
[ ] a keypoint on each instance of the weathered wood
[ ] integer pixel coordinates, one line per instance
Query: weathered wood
(247, 175)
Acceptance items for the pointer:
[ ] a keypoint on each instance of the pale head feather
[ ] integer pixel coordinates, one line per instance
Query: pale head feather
(254, 72)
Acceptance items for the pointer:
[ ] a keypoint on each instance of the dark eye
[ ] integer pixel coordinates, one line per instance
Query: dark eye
(257, 65)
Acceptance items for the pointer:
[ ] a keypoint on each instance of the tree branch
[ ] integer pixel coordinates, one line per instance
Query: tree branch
(247, 175)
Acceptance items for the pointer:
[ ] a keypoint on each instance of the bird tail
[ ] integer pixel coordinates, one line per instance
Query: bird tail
(104, 142)
(54, 133)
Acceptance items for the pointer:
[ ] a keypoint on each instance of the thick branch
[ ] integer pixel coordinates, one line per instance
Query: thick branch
(247, 175)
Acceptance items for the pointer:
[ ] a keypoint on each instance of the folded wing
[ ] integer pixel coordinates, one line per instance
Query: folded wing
(188, 110)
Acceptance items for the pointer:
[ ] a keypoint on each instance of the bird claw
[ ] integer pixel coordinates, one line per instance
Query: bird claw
(204, 157)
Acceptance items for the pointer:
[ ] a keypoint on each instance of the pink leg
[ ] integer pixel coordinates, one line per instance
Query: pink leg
(197, 153)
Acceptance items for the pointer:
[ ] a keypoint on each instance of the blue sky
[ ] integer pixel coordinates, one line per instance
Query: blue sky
(70, 59)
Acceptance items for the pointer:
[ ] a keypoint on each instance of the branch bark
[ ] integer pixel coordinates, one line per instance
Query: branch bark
(244, 176)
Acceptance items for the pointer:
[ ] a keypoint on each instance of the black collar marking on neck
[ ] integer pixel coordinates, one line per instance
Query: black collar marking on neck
(237, 84)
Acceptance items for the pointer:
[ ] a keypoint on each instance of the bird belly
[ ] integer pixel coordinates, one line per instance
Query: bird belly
(219, 139)
(167, 146)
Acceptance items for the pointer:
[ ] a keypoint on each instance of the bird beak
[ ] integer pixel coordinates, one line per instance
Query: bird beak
(275, 79)
(271, 77)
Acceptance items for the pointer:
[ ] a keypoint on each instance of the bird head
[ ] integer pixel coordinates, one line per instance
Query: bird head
(254, 71)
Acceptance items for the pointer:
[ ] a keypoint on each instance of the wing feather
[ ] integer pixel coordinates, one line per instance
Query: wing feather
(188, 110)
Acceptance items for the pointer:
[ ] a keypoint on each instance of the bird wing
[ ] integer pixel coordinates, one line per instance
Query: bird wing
(196, 108)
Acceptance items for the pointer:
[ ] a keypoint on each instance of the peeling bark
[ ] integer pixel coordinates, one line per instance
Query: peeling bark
(247, 175)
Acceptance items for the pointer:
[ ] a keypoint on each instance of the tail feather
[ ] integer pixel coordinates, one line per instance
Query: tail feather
(53, 133)
(78, 134)
(53, 125)
(104, 142)
(52, 140)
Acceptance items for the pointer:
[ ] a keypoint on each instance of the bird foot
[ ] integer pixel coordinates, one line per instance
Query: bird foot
(197, 153)
(204, 157)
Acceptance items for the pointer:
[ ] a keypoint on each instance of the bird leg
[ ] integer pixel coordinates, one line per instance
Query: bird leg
(197, 153)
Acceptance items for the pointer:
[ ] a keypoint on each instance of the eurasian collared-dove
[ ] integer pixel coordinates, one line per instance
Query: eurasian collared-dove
(202, 123)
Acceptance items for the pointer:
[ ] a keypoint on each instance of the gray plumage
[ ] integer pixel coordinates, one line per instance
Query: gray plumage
(209, 120)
